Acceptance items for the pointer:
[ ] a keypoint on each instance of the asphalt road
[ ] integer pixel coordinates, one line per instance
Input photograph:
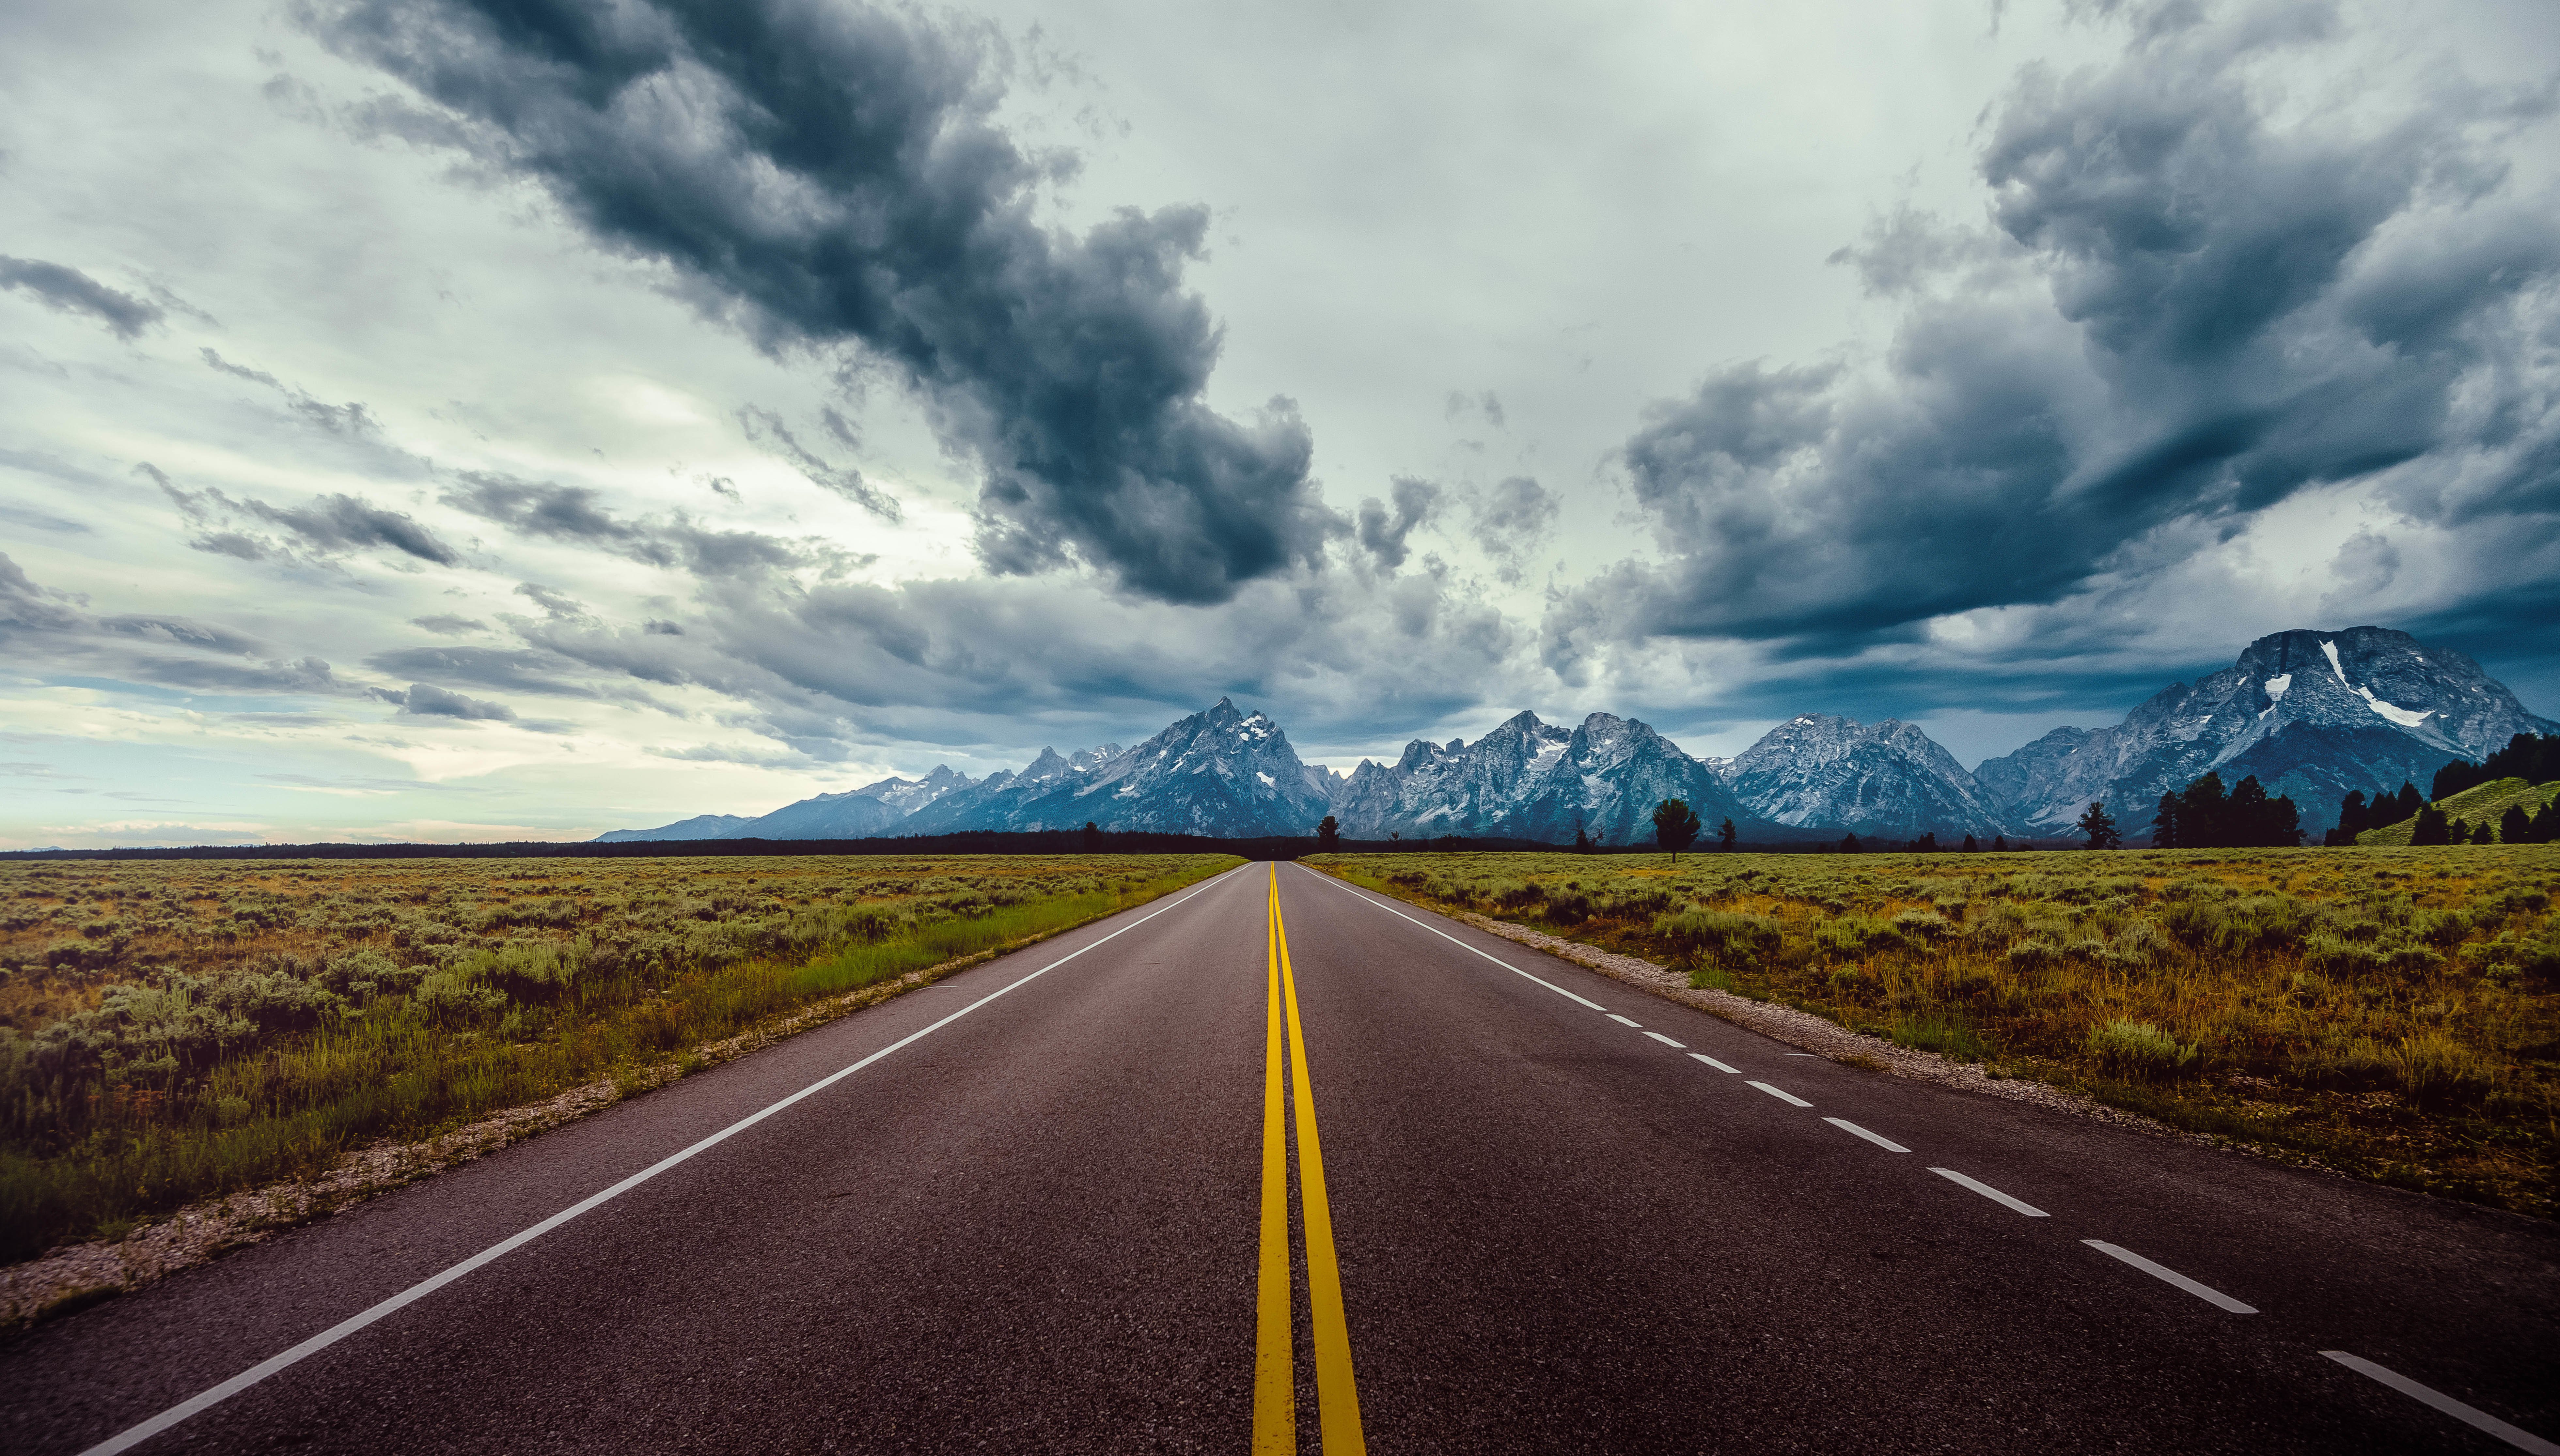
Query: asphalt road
(1048, 1220)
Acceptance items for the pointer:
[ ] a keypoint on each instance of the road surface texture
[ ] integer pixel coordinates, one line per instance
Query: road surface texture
(1087, 1215)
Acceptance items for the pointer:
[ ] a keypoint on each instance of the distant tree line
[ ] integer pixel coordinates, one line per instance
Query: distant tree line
(2204, 817)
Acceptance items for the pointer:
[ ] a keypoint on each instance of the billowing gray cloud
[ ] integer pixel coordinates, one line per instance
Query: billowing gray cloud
(766, 428)
(2183, 314)
(350, 419)
(74, 292)
(548, 511)
(830, 175)
(427, 701)
(325, 526)
(1382, 534)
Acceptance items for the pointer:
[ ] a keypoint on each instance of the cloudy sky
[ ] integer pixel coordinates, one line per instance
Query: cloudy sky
(448, 421)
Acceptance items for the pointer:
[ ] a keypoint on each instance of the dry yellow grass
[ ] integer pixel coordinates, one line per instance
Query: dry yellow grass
(2391, 1012)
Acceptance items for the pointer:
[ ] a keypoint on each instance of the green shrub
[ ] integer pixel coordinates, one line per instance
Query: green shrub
(2138, 1051)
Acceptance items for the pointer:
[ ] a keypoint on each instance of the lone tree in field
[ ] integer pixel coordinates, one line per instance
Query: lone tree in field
(1675, 826)
(2100, 827)
(1092, 838)
(1726, 834)
(1329, 835)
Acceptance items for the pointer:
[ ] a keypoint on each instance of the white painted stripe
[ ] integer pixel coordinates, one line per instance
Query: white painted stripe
(1666, 1040)
(2522, 1440)
(1718, 1065)
(2168, 1275)
(1798, 1054)
(1621, 1021)
(1877, 1139)
(1784, 1097)
(1988, 1192)
(1354, 891)
(136, 1435)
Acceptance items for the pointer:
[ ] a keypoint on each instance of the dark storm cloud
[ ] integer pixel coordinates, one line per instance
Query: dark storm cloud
(73, 292)
(1382, 534)
(826, 175)
(2183, 316)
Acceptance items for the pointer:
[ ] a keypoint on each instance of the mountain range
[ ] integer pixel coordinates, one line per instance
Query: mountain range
(2310, 714)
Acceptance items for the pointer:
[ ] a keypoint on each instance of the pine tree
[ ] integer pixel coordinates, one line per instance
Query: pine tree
(2203, 814)
(2100, 825)
(1848, 844)
(1328, 834)
(1581, 839)
(1999, 843)
(1092, 838)
(2515, 826)
(2486, 833)
(2430, 827)
(2164, 824)
(1970, 846)
(2547, 824)
(1675, 826)
(2409, 805)
(1726, 834)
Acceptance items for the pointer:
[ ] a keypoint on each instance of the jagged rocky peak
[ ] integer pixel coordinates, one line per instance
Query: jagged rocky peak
(2309, 714)
(1887, 778)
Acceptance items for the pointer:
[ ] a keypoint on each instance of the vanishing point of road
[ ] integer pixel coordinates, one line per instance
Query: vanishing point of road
(1276, 1164)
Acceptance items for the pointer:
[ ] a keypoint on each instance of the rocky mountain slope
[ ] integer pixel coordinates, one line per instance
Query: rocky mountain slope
(855, 813)
(1531, 780)
(1888, 780)
(1222, 772)
(2313, 714)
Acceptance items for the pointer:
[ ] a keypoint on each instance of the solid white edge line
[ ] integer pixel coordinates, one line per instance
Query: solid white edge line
(1666, 1040)
(1718, 1065)
(1994, 1194)
(175, 1415)
(1784, 1097)
(1354, 891)
(1623, 1021)
(2168, 1275)
(1877, 1139)
(2522, 1440)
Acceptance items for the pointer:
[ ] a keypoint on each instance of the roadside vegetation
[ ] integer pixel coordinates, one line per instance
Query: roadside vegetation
(175, 1029)
(2393, 1013)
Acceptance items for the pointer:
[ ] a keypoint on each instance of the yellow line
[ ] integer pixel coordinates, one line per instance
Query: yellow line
(1337, 1399)
(1275, 1397)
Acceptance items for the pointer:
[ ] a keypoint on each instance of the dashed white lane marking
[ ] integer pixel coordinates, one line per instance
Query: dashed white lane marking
(137, 1436)
(1718, 1065)
(2522, 1440)
(1666, 1040)
(1454, 941)
(1877, 1139)
(2168, 1275)
(1785, 1097)
(1621, 1021)
(1988, 1192)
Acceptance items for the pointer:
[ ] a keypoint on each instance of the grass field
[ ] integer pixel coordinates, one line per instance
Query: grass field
(175, 1029)
(2393, 1013)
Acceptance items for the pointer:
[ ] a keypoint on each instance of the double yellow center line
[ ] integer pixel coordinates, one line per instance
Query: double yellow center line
(1275, 1396)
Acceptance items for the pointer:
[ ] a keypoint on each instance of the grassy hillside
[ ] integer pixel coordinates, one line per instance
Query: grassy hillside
(2390, 1012)
(181, 1028)
(2486, 801)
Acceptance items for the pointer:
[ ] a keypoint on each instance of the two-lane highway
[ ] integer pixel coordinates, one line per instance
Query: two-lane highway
(1281, 1164)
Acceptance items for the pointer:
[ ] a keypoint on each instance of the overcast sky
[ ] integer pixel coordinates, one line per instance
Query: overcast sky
(418, 423)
